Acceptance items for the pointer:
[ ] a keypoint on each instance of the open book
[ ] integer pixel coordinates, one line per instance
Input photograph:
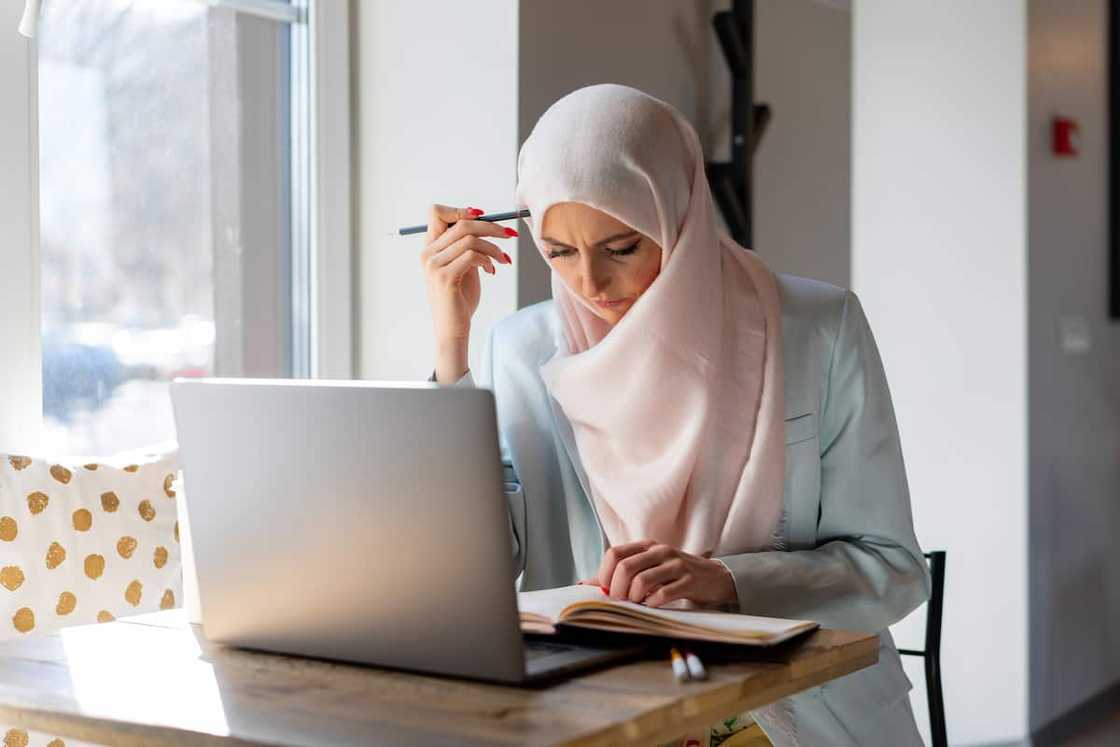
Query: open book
(588, 607)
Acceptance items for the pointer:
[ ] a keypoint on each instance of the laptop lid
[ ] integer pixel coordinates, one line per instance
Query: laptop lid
(351, 520)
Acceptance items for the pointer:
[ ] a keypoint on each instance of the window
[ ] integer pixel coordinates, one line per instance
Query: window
(175, 207)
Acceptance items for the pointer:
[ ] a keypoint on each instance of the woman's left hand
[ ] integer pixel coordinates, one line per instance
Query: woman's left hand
(650, 573)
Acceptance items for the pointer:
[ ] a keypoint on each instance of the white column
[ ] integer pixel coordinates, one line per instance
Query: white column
(939, 258)
(21, 403)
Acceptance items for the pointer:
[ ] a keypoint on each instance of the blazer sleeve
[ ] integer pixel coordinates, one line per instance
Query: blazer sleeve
(514, 492)
(867, 570)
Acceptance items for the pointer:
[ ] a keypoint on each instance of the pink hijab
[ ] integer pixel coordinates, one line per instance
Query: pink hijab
(677, 411)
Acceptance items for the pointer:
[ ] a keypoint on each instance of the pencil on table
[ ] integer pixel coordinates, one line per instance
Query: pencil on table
(695, 667)
(680, 669)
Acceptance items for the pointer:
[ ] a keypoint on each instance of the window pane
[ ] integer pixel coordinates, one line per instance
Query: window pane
(165, 210)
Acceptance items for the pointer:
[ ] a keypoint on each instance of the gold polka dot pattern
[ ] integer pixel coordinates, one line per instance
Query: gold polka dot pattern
(126, 546)
(37, 501)
(56, 743)
(147, 513)
(82, 520)
(84, 542)
(56, 554)
(110, 501)
(24, 620)
(66, 603)
(16, 738)
(11, 577)
(133, 593)
(94, 566)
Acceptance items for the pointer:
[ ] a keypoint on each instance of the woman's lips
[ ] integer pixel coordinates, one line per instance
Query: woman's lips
(613, 303)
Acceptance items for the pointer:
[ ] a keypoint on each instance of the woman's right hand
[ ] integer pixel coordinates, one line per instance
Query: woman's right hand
(454, 253)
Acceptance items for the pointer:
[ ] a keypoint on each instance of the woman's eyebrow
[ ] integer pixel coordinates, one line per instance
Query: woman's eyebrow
(600, 242)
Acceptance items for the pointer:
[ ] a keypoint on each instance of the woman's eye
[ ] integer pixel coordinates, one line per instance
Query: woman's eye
(620, 252)
(625, 250)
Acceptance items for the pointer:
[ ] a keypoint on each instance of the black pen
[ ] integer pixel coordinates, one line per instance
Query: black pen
(492, 218)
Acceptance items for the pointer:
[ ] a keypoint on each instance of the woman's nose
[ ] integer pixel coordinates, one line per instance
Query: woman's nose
(594, 285)
(594, 280)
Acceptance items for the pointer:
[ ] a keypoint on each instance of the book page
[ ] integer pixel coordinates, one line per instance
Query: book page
(716, 622)
(588, 606)
(547, 604)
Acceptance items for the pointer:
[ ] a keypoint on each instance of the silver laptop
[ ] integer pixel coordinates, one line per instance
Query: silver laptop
(358, 521)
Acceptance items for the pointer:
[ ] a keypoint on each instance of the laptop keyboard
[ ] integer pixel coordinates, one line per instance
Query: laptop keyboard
(536, 649)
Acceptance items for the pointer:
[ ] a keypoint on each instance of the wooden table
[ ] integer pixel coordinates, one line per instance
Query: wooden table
(154, 680)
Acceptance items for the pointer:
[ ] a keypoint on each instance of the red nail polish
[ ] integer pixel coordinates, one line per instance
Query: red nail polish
(510, 232)
(508, 260)
(605, 590)
(474, 211)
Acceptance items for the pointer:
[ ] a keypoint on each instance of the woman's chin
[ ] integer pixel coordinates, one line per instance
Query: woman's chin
(610, 316)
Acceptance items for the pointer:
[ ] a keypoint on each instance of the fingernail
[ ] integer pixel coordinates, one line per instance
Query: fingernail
(510, 232)
(474, 211)
(507, 258)
(605, 590)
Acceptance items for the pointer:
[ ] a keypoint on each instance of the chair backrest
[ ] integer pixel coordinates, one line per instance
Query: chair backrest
(931, 653)
(936, 560)
(934, 607)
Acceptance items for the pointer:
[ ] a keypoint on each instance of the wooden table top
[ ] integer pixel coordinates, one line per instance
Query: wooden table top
(154, 680)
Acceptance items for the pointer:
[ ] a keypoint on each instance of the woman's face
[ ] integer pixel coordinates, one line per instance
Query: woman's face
(605, 261)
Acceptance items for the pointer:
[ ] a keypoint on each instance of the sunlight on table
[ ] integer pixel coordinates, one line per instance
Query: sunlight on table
(132, 672)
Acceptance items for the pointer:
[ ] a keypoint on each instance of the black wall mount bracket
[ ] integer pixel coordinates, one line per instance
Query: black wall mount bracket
(731, 181)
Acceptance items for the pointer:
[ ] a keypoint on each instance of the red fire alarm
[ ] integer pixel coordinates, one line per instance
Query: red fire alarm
(1066, 137)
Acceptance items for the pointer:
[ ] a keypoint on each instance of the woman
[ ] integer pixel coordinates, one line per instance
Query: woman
(679, 423)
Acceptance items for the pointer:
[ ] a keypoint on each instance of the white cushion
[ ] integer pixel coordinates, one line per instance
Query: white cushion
(86, 542)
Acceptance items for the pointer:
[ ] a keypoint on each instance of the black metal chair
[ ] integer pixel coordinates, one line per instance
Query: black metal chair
(932, 650)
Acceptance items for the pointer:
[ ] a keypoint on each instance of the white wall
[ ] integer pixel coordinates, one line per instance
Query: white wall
(1074, 397)
(436, 122)
(939, 258)
(21, 406)
(802, 169)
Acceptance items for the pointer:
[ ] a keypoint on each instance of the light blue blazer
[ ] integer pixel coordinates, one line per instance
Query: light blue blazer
(846, 555)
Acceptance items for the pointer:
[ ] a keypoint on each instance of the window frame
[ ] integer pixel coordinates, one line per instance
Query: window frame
(326, 26)
(21, 406)
(333, 265)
